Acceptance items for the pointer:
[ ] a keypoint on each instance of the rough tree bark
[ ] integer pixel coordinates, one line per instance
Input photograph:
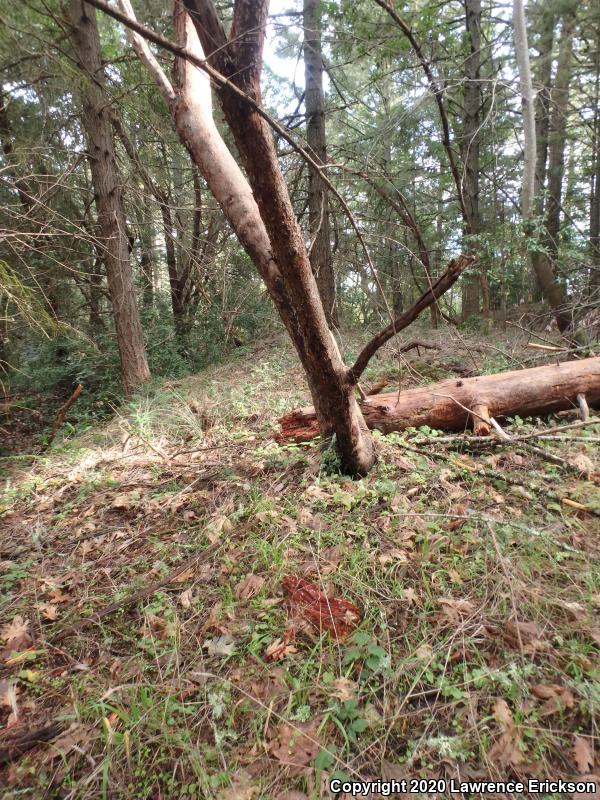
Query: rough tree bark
(96, 122)
(290, 279)
(318, 211)
(595, 181)
(557, 134)
(259, 209)
(447, 405)
(469, 146)
(543, 68)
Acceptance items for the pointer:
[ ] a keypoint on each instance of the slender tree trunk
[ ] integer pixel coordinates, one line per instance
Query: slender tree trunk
(175, 288)
(543, 102)
(543, 71)
(550, 288)
(470, 149)
(595, 182)
(318, 212)
(558, 131)
(147, 255)
(95, 119)
(95, 291)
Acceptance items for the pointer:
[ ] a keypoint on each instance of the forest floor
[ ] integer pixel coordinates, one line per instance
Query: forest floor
(149, 649)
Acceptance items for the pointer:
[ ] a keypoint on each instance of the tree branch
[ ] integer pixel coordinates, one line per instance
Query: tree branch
(222, 82)
(437, 92)
(443, 283)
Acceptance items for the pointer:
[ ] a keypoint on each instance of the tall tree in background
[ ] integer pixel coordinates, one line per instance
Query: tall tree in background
(541, 265)
(469, 145)
(96, 123)
(557, 135)
(595, 173)
(318, 211)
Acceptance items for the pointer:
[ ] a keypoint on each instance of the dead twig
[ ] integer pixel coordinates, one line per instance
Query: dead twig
(15, 743)
(476, 440)
(134, 598)
(62, 413)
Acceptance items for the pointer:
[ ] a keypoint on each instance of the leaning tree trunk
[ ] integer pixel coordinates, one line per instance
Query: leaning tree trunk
(470, 148)
(95, 119)
(259, 209)
(318, 212)
(290, 278)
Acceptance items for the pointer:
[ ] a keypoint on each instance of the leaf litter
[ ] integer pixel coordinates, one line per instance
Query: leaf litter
(385, 556)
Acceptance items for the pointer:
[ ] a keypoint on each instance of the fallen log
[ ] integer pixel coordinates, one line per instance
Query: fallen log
(453, 404)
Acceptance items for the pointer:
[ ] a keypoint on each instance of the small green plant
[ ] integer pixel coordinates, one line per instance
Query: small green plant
(366, 653)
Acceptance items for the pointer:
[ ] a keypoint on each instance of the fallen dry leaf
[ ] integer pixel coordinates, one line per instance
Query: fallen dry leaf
(503, 714)
(295, 746)
(344, 689)
(49, 611)
(249, 587)
(394, 556)
(583, 754)
(409, 595)
(58, 596)
(526, 633)
(15, 634)
(281, 648)
(185, 598)
(185, 575)
(126, 500)
(507, 751)
(332, 557)
(556, 697)
(220, 524)
(543, 691)
(456, 609)
(220, 646)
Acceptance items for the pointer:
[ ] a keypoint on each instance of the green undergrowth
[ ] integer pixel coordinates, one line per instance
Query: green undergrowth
(475, 651)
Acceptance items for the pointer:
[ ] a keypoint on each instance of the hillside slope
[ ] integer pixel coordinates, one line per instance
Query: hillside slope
(156, 642)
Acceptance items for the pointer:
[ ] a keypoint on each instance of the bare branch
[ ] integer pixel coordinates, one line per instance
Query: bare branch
(437, 92)
(443, 283)
(140, 45)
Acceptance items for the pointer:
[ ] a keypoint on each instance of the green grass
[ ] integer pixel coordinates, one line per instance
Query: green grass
(471, 592)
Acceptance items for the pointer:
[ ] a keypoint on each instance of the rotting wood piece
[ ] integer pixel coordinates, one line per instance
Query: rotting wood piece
(16, 742)
(449, 404)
